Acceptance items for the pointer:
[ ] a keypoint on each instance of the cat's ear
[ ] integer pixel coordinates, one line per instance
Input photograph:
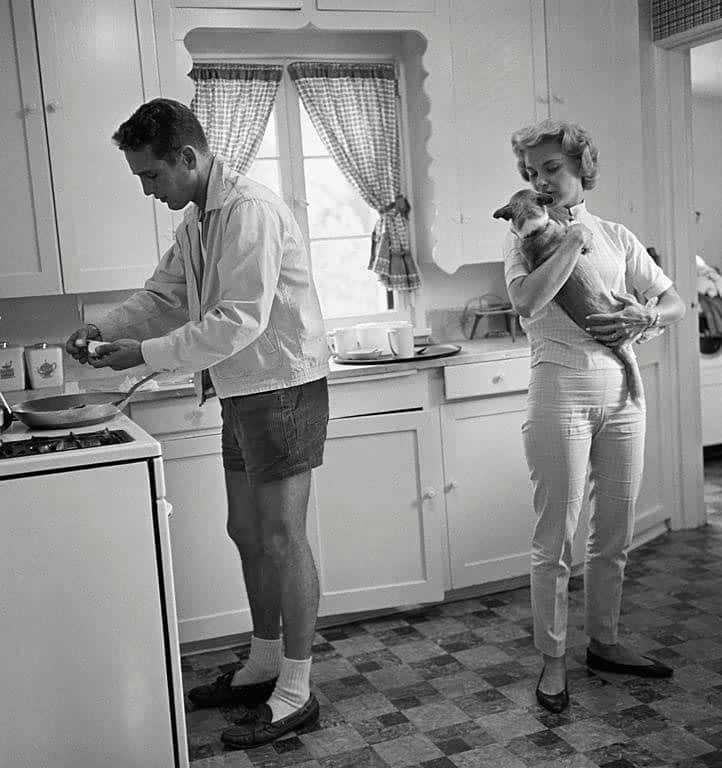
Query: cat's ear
(543, 198)
(503, 213)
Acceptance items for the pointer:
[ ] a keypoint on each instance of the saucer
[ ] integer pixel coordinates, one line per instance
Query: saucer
(360, 354)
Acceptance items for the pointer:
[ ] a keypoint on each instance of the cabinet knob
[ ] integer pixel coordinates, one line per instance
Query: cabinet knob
(557, 99)
(53, 105)
(28, 109)
(453, 484)
(429, 493)
(498, 378)
(542, 99)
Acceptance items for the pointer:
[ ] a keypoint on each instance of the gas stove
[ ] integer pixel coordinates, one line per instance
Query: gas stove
(34, 445)
(26, 451)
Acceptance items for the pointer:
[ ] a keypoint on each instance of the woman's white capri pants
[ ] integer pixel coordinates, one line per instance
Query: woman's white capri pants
(579, 420)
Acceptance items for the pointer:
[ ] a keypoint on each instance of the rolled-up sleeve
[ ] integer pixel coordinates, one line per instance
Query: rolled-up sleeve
(248, 272)
(642, 274)
(160, 306)
(514, 262)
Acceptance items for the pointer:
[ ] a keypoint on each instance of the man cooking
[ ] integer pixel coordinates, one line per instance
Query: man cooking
(234, 301)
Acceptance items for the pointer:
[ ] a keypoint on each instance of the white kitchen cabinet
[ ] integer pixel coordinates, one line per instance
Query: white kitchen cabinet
(29, 265)
(495, 65)
(392, 6)
(488, 493)
(375, 519)
(76, 73)
(514, 64)
(246, 5)
(211, 597)
(710, 374)
(593, 68)
(376, 513)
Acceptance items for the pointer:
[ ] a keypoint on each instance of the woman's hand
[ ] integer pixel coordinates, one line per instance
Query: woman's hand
(625, 325)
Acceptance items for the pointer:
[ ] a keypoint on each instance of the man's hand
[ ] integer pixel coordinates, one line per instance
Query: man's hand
(626, 324)
(77, 344)
(118, 355)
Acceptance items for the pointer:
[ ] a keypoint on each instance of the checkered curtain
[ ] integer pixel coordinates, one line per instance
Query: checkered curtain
(670, 17)
(354, 109)
(233, 103)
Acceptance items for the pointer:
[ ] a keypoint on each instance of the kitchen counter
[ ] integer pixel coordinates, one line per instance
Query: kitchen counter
(171, 385)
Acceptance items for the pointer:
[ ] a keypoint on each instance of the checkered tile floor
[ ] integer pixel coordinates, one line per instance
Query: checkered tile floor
(452, 686)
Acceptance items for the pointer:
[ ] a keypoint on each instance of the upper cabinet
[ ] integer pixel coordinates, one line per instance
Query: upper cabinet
(81, 222)
(244, 5)
(407, 6)
(516, 63)
(29, 264)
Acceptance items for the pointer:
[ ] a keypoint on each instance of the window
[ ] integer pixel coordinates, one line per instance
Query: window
(333, 217)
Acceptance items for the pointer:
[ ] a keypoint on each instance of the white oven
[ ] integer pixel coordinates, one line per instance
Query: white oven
(89, 646)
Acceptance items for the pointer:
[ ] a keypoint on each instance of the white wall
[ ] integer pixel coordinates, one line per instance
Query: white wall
(707, 188)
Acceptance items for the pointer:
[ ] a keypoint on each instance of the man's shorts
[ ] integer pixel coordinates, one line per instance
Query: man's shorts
(276, 434)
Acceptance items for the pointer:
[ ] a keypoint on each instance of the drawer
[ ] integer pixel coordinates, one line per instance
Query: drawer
(377, 393)
(489, 378)
(182, 414)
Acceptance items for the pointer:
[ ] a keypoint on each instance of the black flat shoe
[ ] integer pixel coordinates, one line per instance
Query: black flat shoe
(220, 693)
(554, 702)
(258, 729)
(656, 669)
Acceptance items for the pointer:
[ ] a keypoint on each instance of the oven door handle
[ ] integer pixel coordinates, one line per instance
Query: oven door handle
(164, 506)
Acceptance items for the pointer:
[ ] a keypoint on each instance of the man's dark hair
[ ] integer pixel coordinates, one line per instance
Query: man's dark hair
(164, 125)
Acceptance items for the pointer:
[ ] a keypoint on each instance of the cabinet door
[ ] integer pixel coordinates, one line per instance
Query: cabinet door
(495, 92)
(408, 6)
(29, 265)
(489, 508)
(594, 80)
(210, 594)
(375, 518)
(96, 60)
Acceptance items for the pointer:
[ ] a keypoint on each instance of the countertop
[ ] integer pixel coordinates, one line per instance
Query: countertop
(170, 385)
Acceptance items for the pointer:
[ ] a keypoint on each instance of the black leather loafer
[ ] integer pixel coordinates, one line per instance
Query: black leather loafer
(554, 702)
(259, 730)
(220, 693)
(655, 669)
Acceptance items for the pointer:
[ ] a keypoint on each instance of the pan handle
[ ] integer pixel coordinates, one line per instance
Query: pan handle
(120, 404)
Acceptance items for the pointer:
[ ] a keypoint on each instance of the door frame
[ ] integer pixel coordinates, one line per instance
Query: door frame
(668, 155)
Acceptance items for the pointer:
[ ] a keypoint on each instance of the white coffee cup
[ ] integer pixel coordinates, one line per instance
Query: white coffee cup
(401, 339)
(342, 340)
(373, 336)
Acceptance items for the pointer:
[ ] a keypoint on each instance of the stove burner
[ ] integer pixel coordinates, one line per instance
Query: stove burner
(33, 446)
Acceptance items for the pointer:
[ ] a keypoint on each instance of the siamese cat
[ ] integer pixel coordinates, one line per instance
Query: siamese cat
(541, 231)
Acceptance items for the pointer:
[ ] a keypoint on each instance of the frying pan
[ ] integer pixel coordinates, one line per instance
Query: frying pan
(67, 411)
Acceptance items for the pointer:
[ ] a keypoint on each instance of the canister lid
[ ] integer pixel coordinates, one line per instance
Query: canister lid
(41, 345)
(8, 345)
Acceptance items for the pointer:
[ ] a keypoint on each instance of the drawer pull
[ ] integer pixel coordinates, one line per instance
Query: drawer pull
(498, 378)
(453, 484)
(429, 493)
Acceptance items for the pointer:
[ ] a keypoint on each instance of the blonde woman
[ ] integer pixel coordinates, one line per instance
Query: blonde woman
(579, 414)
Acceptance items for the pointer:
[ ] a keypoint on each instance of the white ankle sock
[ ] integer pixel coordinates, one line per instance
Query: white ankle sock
(292, 689)
(264, 662)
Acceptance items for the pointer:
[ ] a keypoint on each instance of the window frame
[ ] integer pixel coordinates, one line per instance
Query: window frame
(290, 145)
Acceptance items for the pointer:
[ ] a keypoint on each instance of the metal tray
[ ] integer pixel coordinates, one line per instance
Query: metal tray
(430, 352)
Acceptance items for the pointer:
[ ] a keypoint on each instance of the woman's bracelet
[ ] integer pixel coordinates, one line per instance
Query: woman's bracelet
(654, 322)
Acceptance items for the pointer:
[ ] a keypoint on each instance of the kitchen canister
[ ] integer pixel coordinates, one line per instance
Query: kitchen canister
(45, 365)
(12, 367)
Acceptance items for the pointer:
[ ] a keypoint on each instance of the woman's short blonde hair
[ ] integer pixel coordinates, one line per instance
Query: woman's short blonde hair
(575, 142)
